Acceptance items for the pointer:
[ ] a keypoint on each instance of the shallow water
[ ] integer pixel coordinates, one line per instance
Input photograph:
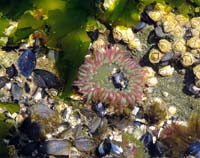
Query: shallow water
(79, 79)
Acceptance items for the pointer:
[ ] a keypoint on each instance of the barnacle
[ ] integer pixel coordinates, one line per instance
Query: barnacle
(111, 76)
(149, 76)
(151, 81)
(187, 59)
(195, 22)
(166, 70)
(178, 31)
(194, 42)
(121, 33)
(164, 45)
(155, 15)
(155, 56)
(197, 83)
(158, 12)
(169, 22)
(195, 32)
(196, 71)
(179, 46)
(182, 20)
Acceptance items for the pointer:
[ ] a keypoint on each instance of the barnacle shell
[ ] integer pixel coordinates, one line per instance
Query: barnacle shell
(118, 33)
(171, 111)
(161, 8)
(135, 44)
(126, 34)
(195, 32)
(165, 46)
(187, 59)
(148, 72)
(158, 12)
(194, 42)
(166, 70)
(169, 22)
(195, 51)
(151, 81)
(195, 22)
(182, 20)
(196, 71)
(155, 56)
(155, 15)
(178, 31)
(179, 46)
(123, 33)
(149, 76)
(197, 83)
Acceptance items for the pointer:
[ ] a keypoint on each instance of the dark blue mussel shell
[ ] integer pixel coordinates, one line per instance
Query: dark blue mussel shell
(156, 149)
(194, 149)
(99, 108)
(16, 91)
(104, 148)
(46, 79)
(119, 80)
(139, 26)
(26, 62)
(11, 71)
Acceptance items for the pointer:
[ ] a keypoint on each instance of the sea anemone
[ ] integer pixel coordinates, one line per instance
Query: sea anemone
(112, 76)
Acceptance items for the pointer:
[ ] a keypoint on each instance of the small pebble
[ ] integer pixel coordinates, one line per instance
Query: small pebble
(165, 94)
(172, 110)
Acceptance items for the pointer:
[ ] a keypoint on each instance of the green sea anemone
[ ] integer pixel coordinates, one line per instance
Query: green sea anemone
(112, 76)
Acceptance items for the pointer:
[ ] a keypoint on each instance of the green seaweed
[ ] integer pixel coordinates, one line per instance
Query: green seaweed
(4, 23)
(113, 11)
(14, 9)
(121, 12)
(5, 126)
(27, 23)
(197, 2)
(75, 46)
(49, 4)
(130, 15)
(179, 6)
(73, 39)
(10, 107)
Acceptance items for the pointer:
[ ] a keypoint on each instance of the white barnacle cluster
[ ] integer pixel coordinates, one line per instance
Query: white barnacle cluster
(125, 34)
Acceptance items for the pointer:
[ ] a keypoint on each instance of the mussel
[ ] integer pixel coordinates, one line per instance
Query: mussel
(26, 62)
(11, 71)
(46, 79)
(194, 149)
